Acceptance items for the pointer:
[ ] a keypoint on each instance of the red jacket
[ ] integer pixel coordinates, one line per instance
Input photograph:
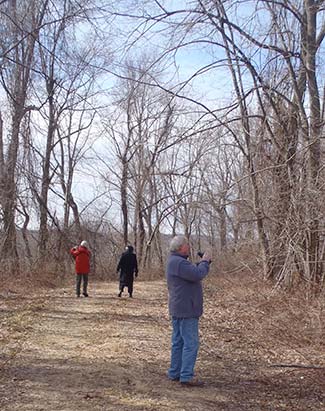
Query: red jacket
(82, 257)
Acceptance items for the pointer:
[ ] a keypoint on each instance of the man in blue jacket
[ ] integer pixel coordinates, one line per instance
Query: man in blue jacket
(185, 308)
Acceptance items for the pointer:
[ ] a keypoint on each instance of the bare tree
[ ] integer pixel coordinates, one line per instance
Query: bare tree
(272, 70)
(23, 21)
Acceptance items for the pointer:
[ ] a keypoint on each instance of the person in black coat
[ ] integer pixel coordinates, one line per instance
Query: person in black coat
(128, 267)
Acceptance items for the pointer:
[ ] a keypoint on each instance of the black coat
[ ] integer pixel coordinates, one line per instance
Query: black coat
(128, 266)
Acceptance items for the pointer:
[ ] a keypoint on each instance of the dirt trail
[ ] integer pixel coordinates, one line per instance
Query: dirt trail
(108, 353)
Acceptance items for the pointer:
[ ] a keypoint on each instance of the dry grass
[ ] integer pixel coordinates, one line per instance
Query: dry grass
(106, 353)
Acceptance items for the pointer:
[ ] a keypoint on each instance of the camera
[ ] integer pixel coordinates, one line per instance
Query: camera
(200, 254)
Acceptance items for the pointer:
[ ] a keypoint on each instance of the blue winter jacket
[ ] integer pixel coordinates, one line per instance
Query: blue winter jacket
(184, 286)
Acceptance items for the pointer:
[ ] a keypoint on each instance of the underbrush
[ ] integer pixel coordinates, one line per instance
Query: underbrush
(284, 326)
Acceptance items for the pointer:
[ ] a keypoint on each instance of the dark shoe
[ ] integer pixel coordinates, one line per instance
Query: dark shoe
(130, 295)
(85, 295)
(119, 294)
(78, 295)
(174, 379)
(192, 383)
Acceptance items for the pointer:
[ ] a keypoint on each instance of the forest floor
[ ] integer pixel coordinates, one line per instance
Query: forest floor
(260, 349)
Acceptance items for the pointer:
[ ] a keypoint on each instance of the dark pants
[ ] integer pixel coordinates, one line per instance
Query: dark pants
(84, 278)
(129, 286)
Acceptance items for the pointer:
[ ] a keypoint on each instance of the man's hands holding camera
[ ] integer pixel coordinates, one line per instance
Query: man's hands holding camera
(206, 256)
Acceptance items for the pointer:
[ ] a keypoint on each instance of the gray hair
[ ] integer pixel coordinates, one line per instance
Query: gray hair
(177, 242)
(84, 244)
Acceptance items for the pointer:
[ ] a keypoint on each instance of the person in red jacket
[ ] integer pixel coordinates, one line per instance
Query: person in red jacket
(81, 255)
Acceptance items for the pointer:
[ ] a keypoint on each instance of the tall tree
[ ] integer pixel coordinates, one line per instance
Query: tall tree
(23, 21)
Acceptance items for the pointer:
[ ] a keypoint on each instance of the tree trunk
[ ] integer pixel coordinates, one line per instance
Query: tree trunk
(9, 252)
(124, 203)
(314, 139)
(43, 228)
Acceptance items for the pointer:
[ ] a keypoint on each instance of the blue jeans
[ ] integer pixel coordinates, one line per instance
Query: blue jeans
(185, 346)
